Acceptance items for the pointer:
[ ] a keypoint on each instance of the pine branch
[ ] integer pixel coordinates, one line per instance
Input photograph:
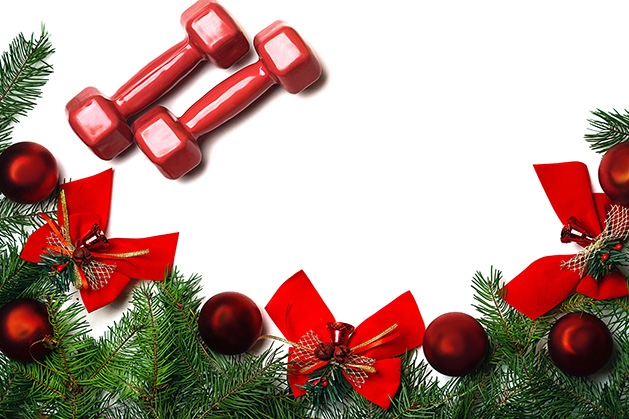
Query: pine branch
(17, 221)
(153, 363)
(24, 71)
(609, 129)
(515, 332)
(21, 279)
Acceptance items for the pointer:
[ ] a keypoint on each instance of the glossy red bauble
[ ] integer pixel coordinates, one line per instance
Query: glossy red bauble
(613, 173)
(580, 344)
(455, 344)
(230, 323)
(24, 326)
(28, 172)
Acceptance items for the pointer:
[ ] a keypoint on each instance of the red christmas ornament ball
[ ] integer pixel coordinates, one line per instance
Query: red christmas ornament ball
(580, 344)
(230, 323)
(24, 325)
(455, 344)
(613, 173)
(28, 172)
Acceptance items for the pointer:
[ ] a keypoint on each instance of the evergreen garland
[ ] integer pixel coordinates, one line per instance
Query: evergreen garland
(152, 363)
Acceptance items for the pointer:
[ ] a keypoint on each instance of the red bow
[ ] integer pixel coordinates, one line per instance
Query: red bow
(550, 280)
(101, 267)
(365, 354)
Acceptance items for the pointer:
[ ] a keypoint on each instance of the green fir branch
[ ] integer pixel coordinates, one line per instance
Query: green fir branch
(609, 257)
(607, 129)
(21, 279)
(327, 386)
(18, 221)
(61, 271)
(23, 72)
(515, 332)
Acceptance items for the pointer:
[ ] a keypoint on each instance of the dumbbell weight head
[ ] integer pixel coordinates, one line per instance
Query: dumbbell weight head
(167, 142)
(288, 58)
(211, 29)
(101, 122)
(97, 122)
(285, 59)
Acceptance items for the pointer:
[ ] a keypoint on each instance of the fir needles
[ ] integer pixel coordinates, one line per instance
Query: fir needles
(23, 72)
(607, 129)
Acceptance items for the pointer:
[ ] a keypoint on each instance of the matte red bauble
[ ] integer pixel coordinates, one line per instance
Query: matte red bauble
(24, 326)
(613, 173)
(580, 344)
(455, 344)
(28, 172)
(230, 323)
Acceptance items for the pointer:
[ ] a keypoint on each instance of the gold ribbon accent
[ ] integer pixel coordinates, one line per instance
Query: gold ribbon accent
(123, 255)
(377, 340)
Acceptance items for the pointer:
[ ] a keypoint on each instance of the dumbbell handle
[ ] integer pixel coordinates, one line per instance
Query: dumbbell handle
(157, 78)
(227, 99)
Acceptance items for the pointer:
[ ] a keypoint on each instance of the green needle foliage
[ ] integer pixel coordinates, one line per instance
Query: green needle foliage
(607, 129)
(23, 72)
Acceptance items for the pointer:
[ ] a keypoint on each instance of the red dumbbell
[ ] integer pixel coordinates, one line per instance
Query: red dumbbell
(171, 143)
(101, 122)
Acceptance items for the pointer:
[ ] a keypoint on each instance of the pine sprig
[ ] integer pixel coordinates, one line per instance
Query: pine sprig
(21, 279)
(327, 386)
(608, 258)
(516, 332)
(607, 130)
(153, 363)
(24, 71)
(17, 221)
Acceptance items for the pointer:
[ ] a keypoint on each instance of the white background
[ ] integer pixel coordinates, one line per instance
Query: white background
(408, 166)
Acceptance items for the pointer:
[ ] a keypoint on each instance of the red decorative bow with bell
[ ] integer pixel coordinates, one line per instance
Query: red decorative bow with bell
(590, 220)
(366, 355)
(78, 248)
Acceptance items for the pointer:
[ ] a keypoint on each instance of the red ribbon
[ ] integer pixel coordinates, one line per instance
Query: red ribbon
(370, 366)
(84, 204)
(547, 282)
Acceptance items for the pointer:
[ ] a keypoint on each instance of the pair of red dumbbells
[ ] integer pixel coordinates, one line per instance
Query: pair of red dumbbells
(170, 142)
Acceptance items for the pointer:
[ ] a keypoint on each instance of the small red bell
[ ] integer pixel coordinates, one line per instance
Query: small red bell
(574, 231)
(340, 333)
(95, 238)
